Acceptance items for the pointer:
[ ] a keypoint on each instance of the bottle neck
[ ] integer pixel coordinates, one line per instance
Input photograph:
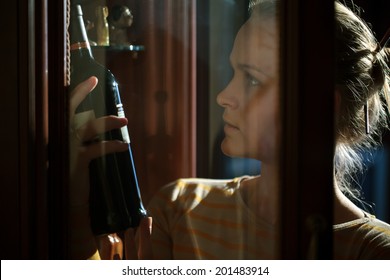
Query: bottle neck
(79, 43)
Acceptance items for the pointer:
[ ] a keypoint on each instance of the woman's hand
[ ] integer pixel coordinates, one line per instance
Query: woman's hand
(138, 242)
(83, 147)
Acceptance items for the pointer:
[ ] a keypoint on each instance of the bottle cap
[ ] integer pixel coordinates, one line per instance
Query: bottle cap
(77, 10)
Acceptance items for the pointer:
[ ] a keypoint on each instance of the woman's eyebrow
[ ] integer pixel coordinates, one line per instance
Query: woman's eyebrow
(246, 66)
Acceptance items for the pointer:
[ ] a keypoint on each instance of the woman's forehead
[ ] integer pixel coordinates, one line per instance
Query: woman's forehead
(256, 43)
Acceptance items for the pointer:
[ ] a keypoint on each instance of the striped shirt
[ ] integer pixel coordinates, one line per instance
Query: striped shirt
(208, 219)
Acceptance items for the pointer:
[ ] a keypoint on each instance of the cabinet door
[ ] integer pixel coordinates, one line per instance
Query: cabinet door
(172, 121)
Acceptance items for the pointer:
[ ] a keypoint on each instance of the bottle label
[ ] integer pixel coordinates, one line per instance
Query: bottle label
(79, 45)
(83, 117)
(124, 130)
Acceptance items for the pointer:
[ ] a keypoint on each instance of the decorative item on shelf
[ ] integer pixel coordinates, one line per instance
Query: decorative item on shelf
(120, 19)
(102, 27)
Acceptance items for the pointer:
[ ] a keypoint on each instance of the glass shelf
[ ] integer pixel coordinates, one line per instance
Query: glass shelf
(133, 48)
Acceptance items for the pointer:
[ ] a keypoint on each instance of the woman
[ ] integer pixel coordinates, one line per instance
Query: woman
(238, 218)
(235, 219)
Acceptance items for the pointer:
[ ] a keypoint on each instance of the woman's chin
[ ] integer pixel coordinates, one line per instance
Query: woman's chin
(229, 149)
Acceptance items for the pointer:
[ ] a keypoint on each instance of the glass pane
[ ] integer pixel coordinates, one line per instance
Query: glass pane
(232, 137)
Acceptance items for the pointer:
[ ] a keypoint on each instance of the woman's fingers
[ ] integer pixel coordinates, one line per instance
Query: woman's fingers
(144, 231)
(80, 92)
(98, 149)
(92, 129)
(80, 158)
(138, 243)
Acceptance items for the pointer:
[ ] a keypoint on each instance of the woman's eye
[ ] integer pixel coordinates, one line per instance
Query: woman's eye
(251, 81)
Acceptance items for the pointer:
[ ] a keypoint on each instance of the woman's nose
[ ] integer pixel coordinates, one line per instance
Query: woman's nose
(226, 97)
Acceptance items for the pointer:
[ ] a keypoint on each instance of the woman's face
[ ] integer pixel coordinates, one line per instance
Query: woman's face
(250, 99)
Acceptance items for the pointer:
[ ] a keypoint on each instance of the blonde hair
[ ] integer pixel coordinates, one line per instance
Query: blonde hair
(362, 79)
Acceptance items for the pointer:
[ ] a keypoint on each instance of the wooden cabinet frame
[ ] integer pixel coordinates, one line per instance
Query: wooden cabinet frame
(33, 194)
(307, 78)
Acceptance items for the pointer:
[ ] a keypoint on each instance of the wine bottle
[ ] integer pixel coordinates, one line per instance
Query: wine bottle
(115, 199)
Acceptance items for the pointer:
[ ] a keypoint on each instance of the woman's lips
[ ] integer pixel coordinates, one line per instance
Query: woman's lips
(229, 128)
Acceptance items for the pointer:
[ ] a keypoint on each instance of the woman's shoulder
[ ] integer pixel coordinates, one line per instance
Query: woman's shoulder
(367, 224)
(365, 238)
(377, 229)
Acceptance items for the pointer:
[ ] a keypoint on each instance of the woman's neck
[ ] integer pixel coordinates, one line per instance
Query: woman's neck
(261, 193)
(344, 210)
